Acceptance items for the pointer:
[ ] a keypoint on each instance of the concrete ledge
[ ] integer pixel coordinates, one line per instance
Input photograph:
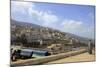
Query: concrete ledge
(36, 61)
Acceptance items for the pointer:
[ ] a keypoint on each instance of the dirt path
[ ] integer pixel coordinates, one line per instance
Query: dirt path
(77, 58)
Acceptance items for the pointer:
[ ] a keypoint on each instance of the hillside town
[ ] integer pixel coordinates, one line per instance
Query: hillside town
(42, 35)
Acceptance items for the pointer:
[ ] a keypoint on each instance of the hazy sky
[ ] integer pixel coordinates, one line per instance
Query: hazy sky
(76, 19)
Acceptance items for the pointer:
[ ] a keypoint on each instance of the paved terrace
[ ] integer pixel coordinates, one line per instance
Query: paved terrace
(77, 58)
(73, 56)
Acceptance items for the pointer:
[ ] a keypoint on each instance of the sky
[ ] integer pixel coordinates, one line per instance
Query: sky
(71, 18)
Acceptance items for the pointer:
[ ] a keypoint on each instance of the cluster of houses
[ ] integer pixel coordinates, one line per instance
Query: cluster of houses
(40, 36)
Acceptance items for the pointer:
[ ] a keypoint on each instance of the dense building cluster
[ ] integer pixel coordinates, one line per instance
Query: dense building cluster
(31, 34)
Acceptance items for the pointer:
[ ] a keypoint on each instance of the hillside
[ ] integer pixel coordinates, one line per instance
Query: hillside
(36, 32)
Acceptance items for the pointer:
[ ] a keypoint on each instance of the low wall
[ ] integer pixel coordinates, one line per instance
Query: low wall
(36, 61)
